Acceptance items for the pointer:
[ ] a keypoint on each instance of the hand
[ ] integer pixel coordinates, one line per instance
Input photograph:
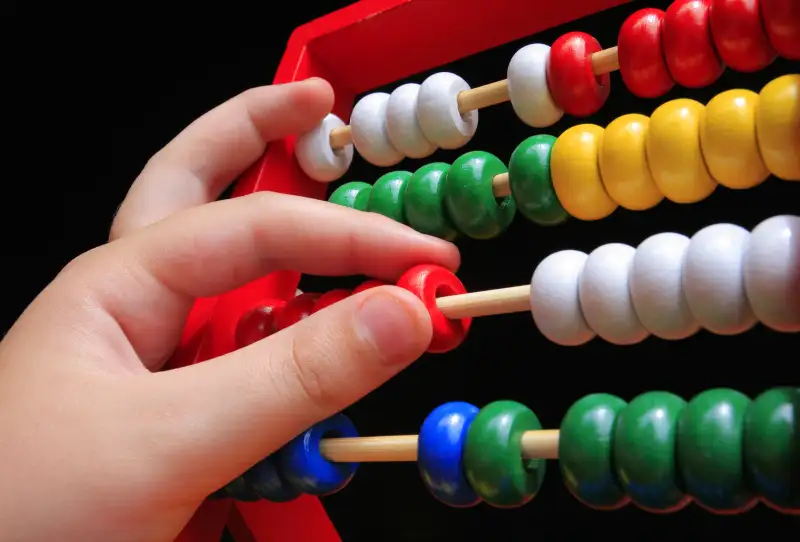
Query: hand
(96, 444)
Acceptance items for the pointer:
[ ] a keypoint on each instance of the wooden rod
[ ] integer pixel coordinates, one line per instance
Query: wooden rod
(541, 444)
(486, 303)
(605, 61)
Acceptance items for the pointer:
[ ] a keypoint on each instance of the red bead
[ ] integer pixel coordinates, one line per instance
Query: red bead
(295, 310)
(688, 46)
(258, 323)
(641, 55)
(739, 36)
(367, 285)
(428, 282)
(329, 298)
(782, 22)
(570, 75)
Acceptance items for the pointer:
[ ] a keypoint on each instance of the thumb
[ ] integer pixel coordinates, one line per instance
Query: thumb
(236, 409)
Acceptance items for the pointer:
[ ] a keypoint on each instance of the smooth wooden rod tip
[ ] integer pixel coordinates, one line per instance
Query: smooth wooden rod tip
(542, 444)
(605, 61)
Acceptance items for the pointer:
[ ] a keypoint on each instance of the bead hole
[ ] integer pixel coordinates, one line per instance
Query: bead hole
(444, 290)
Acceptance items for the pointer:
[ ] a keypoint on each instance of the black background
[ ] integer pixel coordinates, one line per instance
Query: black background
(92, 94)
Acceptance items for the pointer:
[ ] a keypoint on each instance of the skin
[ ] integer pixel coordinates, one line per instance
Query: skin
(99, 445)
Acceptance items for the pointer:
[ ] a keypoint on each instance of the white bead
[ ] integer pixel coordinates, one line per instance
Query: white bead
(437, 111)
(656, 285)
(368, 126)
(713, 281)
(555, 306)
(402, 124)
(605, 295)
(527, 87)
(772, 272)
(315, 155)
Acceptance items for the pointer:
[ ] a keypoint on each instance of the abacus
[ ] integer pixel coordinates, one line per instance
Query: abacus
(732, 451)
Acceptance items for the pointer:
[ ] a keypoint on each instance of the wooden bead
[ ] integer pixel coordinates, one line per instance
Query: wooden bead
(353, 195)
(739, 35)
(770, 448)
(710, 451)
(674, 154)
(531, 183)
(427, 282)
(440, 454)
(574, 168)
(258, 323)
(641, 54)
(424, 202)
(771, 268)
(368, 128)
(329, 298)
(778, 126)
(493, 455)
(645, 442)
(302, 464)
(585, 451)
(688, 46)
(604, 291)
(571, 78)
(470, 200)
(367, 285)
(728, 139)
(623, 164)
(386, 197)
(296, 309)
(713, 279)
(782, 24)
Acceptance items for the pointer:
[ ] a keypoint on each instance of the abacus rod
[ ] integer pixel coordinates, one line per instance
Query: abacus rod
(605, 61)
(486, 303)
(542, 444)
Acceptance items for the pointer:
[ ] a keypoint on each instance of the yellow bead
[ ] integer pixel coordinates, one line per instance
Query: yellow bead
(728, 139)
(575, 171)
(778, 126)
(673, 152)
(623, 164)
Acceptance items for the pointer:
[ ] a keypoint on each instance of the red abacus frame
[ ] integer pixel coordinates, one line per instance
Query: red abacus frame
(366, 45)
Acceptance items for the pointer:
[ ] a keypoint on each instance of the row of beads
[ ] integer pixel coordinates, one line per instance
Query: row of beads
(694, 40)
(689, 44)
(297, 468)
(724, 279)
(721, 450)
(737, 141)
(438, 199)
(273, 315)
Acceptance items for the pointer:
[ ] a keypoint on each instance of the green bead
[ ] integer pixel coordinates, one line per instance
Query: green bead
(772, 448)
(424, 203)
(493, 461)
(469, 199)
(387, 195)
(586, 453)
(531, 184)
(710, 456)
(645, 452)
(354, 195)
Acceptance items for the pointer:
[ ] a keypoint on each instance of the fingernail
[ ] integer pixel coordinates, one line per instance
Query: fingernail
(391, 326)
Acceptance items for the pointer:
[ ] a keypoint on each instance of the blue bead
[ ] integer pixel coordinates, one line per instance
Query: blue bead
(303, 466)
(240, 490)
(265, 480)
(440, 451)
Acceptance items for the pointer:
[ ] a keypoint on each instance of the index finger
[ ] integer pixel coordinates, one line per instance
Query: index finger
(197, 166)
(148, 280)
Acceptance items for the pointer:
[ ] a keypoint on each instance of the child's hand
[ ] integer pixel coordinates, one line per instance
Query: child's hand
(95, 443)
